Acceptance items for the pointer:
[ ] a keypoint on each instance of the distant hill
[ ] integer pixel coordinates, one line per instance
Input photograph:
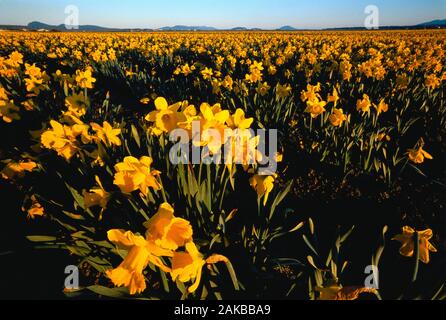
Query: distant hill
(286, 28)
(434, 23)
(37, 26)
(188, 28)
(246, 29)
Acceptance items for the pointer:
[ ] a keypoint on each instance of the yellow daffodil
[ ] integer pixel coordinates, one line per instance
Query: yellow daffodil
(84, 79)
(133, 174)
(190, 115)
(312, 93)
(382, 107)
(263, 89)
(329, 292)
(77, 104)
(227, 82)
(315, 108)
(36, 81)
(165, 117)
(60, 138)
(145, 100)
(17, 169)
(336, 292)
(244, 149)
(255, 72)
(140, 253)
(187, 70)
(407, 243)
(97, 196)
(15, 59)
(334, 97)
(166, 230)
(418, 154)
(432, 81)
(106, 134)
(238, 120)
(32, 71)
(272, 70)
(337, 118)
(3, 94)
(9, 111)
(263, 185)
(207, 73)
(187, 266)
(213, 126)
(283, 91)
(364, 104)
(36, 209)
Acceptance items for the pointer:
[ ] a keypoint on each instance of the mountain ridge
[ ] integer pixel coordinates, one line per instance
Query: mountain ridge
(37, 26)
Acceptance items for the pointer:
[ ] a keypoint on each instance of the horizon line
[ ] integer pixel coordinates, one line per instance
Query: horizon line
(221, 28)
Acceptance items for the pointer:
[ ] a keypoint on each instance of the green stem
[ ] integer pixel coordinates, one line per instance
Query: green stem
(416, 256)
(163, 193)
(223, 194)
(199, 173)
(258, 206)
(209, 182)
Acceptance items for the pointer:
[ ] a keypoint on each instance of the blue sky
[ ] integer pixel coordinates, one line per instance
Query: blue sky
(222, 13)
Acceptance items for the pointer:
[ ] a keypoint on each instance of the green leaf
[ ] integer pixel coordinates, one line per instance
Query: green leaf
(345, 236)
(311, 224)
(41, 238)
(279, 198)
(73, 216)
(78, 198)
(311, 262)
(135, 136)
(300, 225)
(118, 293)
(310, 245)
(233, 275)
(101, 265)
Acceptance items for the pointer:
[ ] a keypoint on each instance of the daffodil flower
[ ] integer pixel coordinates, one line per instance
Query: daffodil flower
(17, 169)
(187, 266)
(62, 139)
(140, 253)
(263, 185)
(166, 230)
(107, 134)
(239, 121)
(133, 174)
(97, 196)
(165, 117)
(213, 126)
(337, 118)
(364, 104)
(418, 154)
(334, 97)
(382, 107)
(336, 292)
(315, 108)
(85, 79)
(408, 246)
